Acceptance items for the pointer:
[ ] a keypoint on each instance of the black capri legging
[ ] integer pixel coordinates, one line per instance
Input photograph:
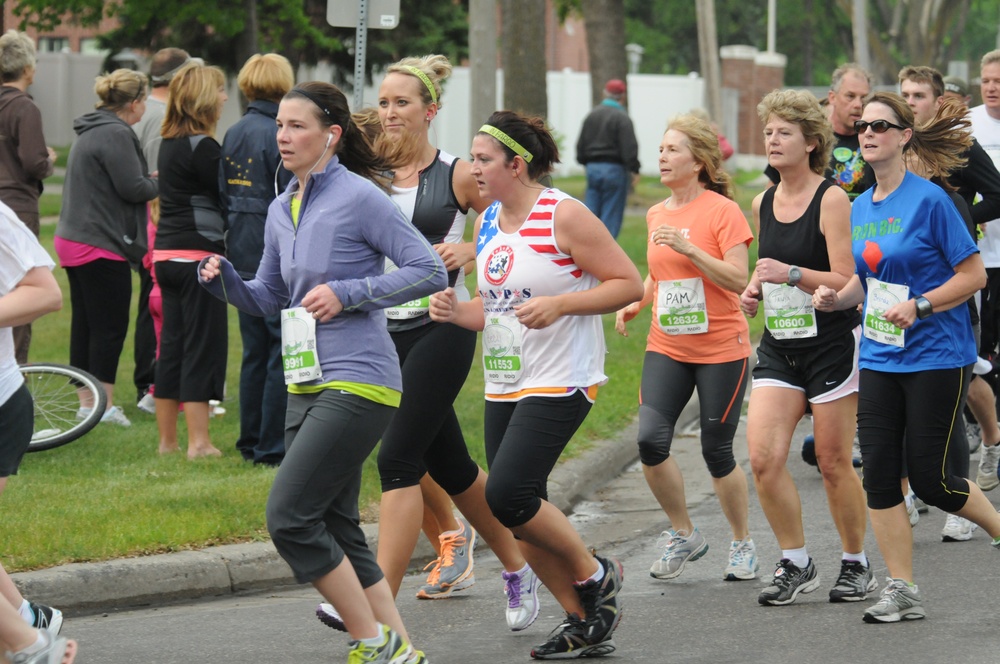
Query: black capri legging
(523, 442)
(194, 342)
(424, 434)
(667, 386)
(100, 293)
(911, 414)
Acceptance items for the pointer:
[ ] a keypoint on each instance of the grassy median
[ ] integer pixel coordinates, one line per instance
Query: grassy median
(110, 495)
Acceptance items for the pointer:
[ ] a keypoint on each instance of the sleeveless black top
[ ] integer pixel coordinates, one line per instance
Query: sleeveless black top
(801, 243)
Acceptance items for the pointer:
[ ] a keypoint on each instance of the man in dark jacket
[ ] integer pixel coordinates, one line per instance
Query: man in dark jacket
(607, 147)
(251, 178)
(25, 160)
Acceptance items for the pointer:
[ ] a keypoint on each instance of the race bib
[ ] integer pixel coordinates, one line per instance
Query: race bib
(407, 310)
(788, 312)
(680, 306)
(299, 357)
(882, 296)
(502, 349)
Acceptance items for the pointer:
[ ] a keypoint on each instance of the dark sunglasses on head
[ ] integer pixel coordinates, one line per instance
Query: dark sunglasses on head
(878, 126)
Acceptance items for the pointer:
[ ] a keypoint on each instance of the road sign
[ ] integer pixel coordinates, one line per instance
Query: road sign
(382, 14)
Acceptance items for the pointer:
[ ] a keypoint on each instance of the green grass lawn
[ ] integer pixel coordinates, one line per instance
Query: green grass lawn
(110, 495)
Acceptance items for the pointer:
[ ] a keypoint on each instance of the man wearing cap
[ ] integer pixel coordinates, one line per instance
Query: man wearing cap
(957, 88)
(610, 152)
(165, 64)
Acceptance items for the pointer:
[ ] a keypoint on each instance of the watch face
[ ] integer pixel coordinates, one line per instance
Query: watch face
(794, 275)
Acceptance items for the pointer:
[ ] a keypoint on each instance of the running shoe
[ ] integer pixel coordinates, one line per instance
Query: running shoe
(987, 477)
(920, 505)
(116, 415)
(601, 602)
(900, 601)
(417, 657)
(856, 452)
(743, 562)
(912, 513)
(147, 404)
(854, 583)
(394, 650)
(678, 550)
(568, 641)
(329, 617)
(809, 450)
(974, 435)
(453, 570)
(522, 598)
(789, 580)
(52, 651)
(46, 618)
(957, 529)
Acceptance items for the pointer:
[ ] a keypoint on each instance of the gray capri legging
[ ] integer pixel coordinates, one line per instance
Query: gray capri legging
(312, 510)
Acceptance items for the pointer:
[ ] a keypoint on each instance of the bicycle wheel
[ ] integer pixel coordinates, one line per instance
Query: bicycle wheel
(57, 390)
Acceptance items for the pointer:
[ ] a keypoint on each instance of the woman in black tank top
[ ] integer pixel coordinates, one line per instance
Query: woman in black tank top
(804, 360)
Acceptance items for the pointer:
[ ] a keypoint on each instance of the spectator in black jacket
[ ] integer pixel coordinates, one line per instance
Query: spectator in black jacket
(607, 147)
(252, 176)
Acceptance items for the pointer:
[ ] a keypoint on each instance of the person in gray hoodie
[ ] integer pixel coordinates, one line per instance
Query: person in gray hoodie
(102, 227)
(25, 160)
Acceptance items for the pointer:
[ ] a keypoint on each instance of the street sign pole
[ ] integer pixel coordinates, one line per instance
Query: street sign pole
(360, 43)
(367, 15)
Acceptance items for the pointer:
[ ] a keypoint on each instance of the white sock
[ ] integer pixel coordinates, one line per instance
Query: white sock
(596, 576)
(522, 571)
(26, 612)
(857, 557)
(799, 557)
(37, 646)
(376, 641)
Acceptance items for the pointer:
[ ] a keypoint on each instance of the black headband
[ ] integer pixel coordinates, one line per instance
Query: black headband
(321, 106)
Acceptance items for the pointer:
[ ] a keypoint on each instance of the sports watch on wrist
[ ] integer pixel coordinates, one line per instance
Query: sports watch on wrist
(924, 307)
(794, 275)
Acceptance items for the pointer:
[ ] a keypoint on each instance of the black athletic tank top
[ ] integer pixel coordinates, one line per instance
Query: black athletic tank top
(434, 214)
(801, 243)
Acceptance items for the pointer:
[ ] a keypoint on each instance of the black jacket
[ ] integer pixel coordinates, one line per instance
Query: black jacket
(250, 160)
(979, 176)
(607, 136)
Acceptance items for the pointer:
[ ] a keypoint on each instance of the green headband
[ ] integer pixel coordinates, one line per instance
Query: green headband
(423, 77)
(508, 141)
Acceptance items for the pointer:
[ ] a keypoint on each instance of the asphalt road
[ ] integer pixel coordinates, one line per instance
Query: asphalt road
(697, 618)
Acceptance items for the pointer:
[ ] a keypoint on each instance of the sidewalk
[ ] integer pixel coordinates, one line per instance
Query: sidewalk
(224, 570)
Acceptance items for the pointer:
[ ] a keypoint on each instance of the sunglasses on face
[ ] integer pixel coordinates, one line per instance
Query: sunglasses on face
(878, 126)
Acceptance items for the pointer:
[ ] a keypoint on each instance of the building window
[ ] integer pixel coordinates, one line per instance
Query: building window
(53, 44)
(89, 46)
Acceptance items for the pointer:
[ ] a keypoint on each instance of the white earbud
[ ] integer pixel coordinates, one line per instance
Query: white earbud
(329, 138)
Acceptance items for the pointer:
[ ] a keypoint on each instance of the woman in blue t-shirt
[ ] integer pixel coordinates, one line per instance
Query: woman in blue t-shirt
(915, 268)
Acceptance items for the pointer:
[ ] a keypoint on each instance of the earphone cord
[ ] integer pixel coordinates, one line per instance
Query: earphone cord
(328, 140)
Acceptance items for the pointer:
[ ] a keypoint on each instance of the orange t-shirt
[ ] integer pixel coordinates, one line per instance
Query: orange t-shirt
(714, 224)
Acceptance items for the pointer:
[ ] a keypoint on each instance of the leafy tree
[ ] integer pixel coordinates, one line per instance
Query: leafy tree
(227, 32)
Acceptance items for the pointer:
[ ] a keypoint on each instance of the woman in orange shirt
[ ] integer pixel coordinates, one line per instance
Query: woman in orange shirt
(698, 261)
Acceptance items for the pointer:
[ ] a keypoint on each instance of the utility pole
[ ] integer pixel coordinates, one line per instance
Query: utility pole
(708, 54)
(482, 61)
(859, 21)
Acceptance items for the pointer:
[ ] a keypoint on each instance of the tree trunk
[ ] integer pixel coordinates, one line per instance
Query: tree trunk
(482, 60)
(523, 54)
(247, 44)
(605, 24)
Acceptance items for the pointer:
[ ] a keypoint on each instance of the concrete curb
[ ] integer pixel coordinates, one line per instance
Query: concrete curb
(223, 570)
